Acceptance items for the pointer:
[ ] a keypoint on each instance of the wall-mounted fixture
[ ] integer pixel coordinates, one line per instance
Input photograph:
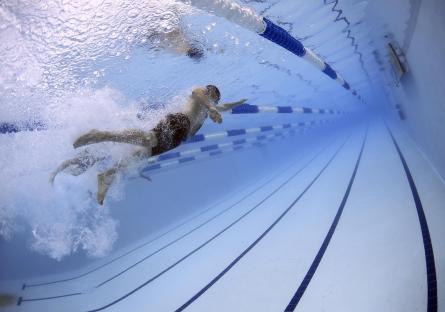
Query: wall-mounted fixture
(397, 60)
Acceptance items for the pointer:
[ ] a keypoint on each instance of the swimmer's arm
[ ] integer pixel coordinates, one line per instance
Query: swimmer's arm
(228, 106)
(199, 96)
(214, 114)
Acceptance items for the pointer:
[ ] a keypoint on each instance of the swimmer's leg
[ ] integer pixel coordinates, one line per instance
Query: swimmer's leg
(78, 165)
(132, 136)
(105, 179)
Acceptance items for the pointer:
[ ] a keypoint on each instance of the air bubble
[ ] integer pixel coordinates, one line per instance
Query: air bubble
(133, 13)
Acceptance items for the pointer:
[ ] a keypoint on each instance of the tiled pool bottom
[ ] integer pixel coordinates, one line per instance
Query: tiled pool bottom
(341, 229)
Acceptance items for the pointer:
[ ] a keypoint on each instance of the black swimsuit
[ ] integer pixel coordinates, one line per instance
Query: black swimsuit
(170, 132)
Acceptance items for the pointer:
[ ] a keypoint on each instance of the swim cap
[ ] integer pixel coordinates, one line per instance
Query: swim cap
(195, 52)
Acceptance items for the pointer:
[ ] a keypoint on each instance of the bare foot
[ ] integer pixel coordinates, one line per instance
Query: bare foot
(7, 300)
(88, 138)
(104, 181)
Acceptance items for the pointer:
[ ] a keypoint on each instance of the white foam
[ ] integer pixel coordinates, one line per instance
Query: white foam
(48, 58)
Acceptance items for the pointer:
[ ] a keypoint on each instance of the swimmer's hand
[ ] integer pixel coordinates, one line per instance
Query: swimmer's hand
(215, 115)
(240, 102)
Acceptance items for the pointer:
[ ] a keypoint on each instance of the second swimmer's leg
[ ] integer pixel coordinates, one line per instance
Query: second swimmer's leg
(132, 136)
(105, 179)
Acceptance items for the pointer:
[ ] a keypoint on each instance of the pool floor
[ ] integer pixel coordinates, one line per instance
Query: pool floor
(341, 229)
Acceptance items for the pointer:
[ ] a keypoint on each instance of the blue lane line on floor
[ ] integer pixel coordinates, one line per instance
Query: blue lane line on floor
(427, 244)
(316, 262)
(21, 299)
(251, 246)
(208, 241)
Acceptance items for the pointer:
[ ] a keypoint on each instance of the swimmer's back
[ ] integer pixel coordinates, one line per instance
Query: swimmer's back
(171, 132)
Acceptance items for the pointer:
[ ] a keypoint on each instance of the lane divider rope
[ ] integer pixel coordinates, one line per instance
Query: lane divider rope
(247, 18)
(212, 147)
(217, 149)
(255, 109)
(254, 130)
(30, 125)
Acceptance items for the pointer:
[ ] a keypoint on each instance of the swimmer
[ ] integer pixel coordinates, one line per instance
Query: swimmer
(168, 134)
(177, 41)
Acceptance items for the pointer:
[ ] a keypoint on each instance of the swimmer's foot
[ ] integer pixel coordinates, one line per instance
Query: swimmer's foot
(52, 178)
(104, 181)
(7, 300)
(89, 138)
(144, 176)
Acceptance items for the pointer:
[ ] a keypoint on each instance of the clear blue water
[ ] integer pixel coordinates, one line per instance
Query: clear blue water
(250, 222)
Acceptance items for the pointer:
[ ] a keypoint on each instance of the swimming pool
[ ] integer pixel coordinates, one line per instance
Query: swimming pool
(323, 191)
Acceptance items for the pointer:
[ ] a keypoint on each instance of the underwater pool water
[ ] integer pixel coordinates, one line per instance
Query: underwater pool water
(314, 195)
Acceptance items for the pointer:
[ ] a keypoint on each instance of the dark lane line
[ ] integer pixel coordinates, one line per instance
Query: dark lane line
(427, 244)
(21, 299)
(209, 240)
(237, 259)
(315, 263)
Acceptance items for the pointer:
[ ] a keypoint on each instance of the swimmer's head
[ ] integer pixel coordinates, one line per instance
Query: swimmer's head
(213, 93)
(195, 52)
